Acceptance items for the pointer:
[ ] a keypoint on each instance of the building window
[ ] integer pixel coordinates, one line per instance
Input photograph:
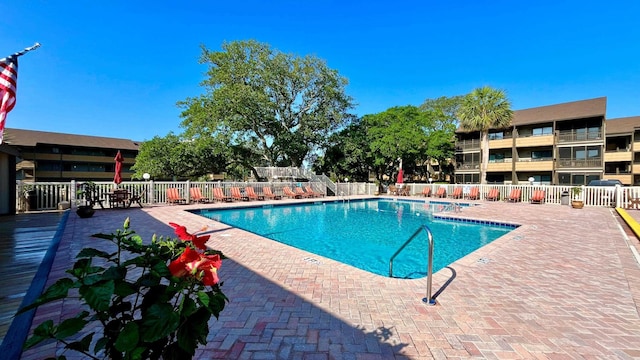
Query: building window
(547, 130)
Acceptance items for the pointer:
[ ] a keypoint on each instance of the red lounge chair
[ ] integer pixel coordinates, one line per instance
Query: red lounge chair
(218, 195)
(252, 194)
(310, 191)
(474, 193)
(426, 192)
(538, 197)
(196, 195)
(290, 194)
(515, 195)
(236, 195)
(441, 193)
(269, 194)
(302, 193)
(457, 193)
(493, 195)
(173, 196)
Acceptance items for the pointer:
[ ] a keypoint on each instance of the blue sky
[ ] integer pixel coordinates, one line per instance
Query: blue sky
(117, 68)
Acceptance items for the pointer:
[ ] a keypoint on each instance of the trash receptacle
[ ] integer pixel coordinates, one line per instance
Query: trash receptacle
(564, 198)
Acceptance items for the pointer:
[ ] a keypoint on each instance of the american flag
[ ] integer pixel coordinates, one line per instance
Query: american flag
(8, 83)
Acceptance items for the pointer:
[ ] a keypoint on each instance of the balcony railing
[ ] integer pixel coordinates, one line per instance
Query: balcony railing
(469, 166)
(573, 136)
(579, 163)
(467, 145)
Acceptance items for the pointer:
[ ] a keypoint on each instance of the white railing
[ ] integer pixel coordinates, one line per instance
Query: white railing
(49, 195)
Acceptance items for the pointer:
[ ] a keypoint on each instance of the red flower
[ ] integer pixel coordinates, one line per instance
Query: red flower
(198, 241)
(203, 267)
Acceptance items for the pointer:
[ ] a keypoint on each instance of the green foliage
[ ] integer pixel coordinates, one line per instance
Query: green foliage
(576, 191)
(278, 106)
(87, 193)
(144, 312)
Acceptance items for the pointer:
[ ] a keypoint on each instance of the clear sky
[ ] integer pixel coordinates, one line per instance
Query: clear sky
(117, 68)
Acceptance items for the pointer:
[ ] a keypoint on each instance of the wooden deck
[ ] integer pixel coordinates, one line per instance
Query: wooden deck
(24, 240)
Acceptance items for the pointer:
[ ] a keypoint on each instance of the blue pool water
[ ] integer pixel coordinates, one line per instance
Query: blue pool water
(366, 233)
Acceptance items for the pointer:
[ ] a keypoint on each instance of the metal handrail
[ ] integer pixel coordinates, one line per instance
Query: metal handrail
(428, 300)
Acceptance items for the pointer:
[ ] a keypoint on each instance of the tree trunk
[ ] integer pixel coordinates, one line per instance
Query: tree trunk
(484, 151)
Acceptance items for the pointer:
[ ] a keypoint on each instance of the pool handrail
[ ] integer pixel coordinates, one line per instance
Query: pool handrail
(428, 299)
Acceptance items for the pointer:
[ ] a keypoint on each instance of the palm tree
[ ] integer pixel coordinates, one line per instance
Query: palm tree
(483, 109)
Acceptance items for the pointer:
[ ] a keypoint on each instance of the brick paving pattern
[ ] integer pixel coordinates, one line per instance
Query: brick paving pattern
(564, 285)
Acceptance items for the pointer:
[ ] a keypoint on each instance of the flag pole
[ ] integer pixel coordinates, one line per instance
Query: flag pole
(26, 50)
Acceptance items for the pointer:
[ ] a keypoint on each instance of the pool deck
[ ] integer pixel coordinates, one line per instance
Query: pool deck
(564, 285)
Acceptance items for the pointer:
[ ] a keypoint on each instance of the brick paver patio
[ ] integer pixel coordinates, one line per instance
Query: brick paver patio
(564, 285)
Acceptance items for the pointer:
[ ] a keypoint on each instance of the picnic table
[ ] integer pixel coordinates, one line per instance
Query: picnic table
(123, 199)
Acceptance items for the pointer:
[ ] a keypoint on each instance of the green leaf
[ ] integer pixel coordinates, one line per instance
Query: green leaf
(71, 326)
(43, 332)
(90, 252)
(128, 337)
(115, 273)
(58, 290)
(82, 345)
(124, 289)
(104, 236)
(194, 331)
(100, 344)
(158, 321)
(98, 296)
(188, 307)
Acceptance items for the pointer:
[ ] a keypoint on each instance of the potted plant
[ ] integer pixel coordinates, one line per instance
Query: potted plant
(86, 195)
(576, 201)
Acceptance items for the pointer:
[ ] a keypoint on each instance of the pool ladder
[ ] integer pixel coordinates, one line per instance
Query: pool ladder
(428, 299)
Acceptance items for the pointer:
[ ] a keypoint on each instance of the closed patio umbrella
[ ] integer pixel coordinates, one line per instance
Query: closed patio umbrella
(400, 179)
(118, 176)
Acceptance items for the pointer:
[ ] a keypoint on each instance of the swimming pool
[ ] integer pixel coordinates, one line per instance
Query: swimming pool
(366, 233)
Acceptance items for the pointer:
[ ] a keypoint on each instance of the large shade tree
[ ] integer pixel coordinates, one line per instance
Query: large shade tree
(443, 115)
(483, 109)
(280, 107)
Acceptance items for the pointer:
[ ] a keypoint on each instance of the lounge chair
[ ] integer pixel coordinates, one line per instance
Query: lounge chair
(252, 194)
(426, 192)
(393, 190)
(514, 196)
(237, 195)
(219, 195)
(441, 193)
(404, 191)
(310, 191)
(268, 194)
(457, 193)
(196, 195)
(493, 195)
(290, 194)
(538, 197)
(474, 193)
(300, 191)
(173, 196)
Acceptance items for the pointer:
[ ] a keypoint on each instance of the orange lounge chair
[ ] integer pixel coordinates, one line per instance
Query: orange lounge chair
(441, 193)
(218, 195)
(515, 195)
(310, 191)
(196, 195)
(538, 197)
(302, 193)
(237, 195)
(173, 196)
(290, 194)
(457, 193)
(493, 195)
(269, 194)
(252, 194)
(474, 193)
(426, 192)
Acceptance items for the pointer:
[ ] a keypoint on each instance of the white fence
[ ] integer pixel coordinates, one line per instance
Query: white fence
(49, 195)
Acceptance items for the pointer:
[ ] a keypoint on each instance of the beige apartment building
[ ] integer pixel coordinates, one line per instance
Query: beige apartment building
(563, 144)
(49, 156)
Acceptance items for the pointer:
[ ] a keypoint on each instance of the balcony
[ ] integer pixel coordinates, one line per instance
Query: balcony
(579, 163)
(468, 167)
(528, 164)
(530, 141)
(626, 179)
(466, 145)
(501, 144)
(568, 136)
(611, 156)
(500, 165)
